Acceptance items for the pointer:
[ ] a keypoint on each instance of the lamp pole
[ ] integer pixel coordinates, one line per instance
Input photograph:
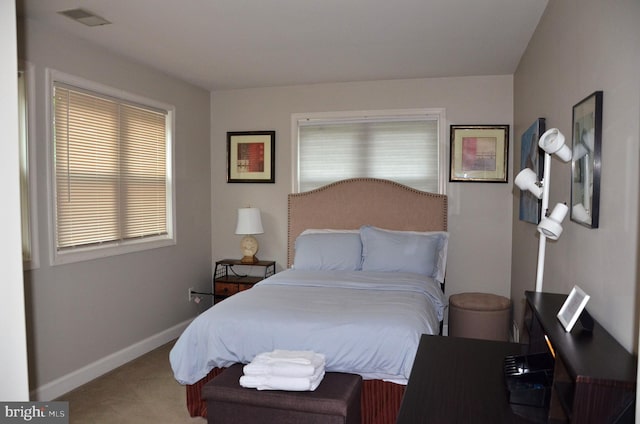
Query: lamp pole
(546, 176)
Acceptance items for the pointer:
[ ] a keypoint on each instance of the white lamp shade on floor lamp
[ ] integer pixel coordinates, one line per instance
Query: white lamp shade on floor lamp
(552, 142)
(551, 226)
(528, 180)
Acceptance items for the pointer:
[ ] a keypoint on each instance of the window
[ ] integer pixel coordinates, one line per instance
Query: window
(404, 146)
(27, 170)
(112, 175)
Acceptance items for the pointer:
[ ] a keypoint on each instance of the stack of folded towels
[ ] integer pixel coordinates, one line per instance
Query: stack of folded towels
(293, 370)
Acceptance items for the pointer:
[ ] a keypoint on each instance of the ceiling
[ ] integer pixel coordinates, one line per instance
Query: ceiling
(229, 44)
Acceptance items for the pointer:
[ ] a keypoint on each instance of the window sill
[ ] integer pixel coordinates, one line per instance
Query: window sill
(112, 249)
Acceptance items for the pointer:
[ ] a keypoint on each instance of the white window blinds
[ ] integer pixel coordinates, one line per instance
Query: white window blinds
(110, 169)
(403, 150)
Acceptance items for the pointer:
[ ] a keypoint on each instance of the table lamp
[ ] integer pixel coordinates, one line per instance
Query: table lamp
(249, 223)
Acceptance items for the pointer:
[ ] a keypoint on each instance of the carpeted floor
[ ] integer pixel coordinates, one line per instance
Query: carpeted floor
(142, 391)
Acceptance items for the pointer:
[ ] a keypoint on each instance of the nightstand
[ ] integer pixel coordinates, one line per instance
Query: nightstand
(227, 281)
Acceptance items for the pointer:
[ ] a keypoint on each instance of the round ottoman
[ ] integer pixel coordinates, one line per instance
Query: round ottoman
(479, 316)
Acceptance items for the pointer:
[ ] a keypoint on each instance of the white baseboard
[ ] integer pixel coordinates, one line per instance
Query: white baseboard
(75, 379)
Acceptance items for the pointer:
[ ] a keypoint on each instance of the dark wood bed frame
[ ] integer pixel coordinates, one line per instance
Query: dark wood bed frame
(349, 204)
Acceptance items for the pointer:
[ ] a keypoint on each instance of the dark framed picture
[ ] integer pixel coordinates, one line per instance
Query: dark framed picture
(251, 156)
(531, 156)
(479, 153)
(585, 161)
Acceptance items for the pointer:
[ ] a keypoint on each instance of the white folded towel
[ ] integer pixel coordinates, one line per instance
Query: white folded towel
(305, 357)
(285, 363)
(293, 370)
(280, 369)
(274, 382)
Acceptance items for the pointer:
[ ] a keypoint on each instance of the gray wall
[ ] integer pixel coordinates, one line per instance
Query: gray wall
(479, 214)
(581, 46)
(85, 317)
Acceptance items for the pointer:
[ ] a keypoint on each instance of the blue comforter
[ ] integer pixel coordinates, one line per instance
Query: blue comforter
(366, 323)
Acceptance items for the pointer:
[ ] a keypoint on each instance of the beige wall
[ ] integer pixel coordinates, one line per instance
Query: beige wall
(581, 46)
(86, 317)
(479, 214)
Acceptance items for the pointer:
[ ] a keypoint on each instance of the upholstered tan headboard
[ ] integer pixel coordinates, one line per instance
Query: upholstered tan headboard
(349, 204)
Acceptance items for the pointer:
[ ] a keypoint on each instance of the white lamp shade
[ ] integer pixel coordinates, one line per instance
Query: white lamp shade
(580, 151)
(552, 142)
(249, 221)
(527, 180)
(580, 213)
(551, 227)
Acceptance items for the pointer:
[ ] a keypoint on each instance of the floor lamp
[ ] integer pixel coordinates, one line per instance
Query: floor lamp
(550, 226)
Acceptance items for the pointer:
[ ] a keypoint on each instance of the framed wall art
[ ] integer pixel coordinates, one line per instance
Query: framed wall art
(532, 157)
(585, 162)
(251, 156)
(479, 153)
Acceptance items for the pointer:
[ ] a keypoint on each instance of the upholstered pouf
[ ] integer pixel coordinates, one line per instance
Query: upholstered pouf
(479, 316)
(335, 401)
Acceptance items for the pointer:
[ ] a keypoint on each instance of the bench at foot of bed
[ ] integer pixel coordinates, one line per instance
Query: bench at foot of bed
(335, 401)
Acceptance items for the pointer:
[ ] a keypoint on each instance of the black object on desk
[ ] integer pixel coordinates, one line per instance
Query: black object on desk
(529, 378)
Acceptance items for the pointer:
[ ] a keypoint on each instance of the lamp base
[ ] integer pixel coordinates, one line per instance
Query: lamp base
(249, 247)
(249, 260)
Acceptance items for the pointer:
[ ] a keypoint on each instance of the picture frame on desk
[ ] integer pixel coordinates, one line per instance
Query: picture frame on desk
(572, 308)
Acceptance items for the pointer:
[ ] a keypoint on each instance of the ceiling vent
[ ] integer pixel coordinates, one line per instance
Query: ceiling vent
(85, 17)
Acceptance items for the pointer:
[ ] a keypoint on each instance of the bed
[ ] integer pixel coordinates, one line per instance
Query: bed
(324, 227)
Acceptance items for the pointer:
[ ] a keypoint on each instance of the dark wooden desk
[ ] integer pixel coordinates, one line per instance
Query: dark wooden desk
(457, 380)
(594, 377)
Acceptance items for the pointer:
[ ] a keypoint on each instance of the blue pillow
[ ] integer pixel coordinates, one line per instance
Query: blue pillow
(334, 251)
(404, 251)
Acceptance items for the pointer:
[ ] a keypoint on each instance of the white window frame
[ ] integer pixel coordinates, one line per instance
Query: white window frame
(82, 253)
(28, 70)
(390, 114)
